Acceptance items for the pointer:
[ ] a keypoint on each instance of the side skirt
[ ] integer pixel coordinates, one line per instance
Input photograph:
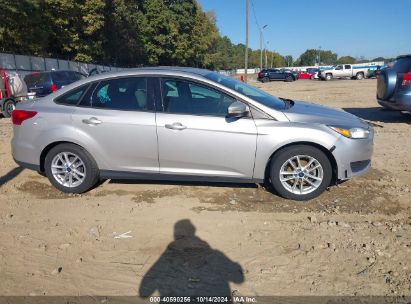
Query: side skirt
(172, 177)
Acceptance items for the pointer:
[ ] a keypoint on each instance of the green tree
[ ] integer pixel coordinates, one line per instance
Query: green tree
(310, 57)
(288, 60)
(346, 60)
(21, 27)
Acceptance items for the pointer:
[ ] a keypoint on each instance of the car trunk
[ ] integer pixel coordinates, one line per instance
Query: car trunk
(38, 83)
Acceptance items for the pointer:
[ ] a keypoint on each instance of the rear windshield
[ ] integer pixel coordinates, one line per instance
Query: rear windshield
(247, 90)
(402, 65)
(37, 79)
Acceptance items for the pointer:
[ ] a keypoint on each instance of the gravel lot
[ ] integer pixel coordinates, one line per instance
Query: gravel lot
(355, 239)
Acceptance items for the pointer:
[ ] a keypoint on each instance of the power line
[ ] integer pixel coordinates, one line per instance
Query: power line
(255, 15)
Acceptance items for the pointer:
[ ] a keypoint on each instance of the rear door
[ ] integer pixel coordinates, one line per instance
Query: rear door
(276, 74)
(347, 70)
(195, 136)
(118, 122)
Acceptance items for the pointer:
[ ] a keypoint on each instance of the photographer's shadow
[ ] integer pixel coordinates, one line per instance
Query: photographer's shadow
(190, 267)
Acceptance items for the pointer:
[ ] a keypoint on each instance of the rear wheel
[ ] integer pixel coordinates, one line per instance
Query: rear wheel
(312, 77)
(71, 169)
(289, 78)
(359, 76)
(8, 108)
(300, 172)
(328, 77)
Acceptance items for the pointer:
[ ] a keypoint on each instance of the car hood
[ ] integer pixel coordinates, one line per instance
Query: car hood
(306, 112)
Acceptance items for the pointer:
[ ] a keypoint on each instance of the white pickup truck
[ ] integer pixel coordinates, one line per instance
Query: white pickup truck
(343, 71)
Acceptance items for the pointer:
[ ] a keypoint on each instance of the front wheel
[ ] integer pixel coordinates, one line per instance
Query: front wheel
(300, 172)
(71, 169)
(266, 79)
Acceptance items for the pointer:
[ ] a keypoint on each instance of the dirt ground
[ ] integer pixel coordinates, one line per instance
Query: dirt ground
(124, 238)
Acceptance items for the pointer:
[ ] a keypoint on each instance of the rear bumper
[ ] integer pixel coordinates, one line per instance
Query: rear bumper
(353, 156)
(24, 152)
(401, 101)
(27, 165)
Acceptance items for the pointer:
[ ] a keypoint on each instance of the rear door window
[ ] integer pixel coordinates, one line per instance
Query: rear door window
(122, 94)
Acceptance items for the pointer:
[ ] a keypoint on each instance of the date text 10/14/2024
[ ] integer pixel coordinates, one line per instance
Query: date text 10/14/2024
(203, 299)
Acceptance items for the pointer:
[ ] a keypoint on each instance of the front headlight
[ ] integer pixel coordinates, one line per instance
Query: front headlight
(355, 133)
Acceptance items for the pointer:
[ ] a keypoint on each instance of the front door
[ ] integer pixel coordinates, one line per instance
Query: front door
(118, 120)
(339, 71)
(196, 137)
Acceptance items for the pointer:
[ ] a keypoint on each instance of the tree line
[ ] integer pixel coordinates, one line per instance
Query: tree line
(130, 33)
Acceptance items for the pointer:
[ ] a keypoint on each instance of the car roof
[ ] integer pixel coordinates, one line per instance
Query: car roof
(404, 56)
(161, 70)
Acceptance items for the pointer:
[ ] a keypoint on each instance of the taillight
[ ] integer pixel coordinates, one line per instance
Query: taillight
(406, 79)
(53, 87)
(18, 116)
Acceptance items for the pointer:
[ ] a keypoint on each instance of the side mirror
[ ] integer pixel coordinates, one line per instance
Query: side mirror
(237, 109)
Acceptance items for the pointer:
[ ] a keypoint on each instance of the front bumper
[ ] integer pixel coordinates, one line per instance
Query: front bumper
(353, 156)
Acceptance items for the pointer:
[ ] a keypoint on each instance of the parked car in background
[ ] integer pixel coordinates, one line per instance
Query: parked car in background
(187, 124)
(305, 75)
(294, 72)
(394, 85)
(267, 75)
(313, 72)
(374, 72)
(343, 71)
(44, 83)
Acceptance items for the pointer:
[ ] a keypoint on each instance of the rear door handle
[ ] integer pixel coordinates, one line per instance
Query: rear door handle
(92, 121)
(176, 126)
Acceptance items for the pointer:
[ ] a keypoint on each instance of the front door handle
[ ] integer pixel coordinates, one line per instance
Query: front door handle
(176, 126)
(92, 121)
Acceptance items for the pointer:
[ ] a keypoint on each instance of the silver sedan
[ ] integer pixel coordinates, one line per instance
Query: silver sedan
(188, 125)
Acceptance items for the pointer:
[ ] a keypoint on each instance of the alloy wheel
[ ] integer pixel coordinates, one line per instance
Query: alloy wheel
(301, 174)
(68, 169)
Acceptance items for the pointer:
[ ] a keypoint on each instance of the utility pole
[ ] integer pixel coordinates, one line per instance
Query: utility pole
(272, 59)
(246, 41)
(319, 56)
(265, 49)
(261, 46)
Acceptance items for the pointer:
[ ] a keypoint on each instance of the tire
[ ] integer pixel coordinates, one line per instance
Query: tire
(89, 169)
(328, 77)
(265, 79)
(312, 77)
(289, 78)
(290, 188)
(359, 76)
(386, 83)
(8, 108)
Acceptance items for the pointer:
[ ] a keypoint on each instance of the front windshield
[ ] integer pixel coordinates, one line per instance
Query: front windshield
(247, 90)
